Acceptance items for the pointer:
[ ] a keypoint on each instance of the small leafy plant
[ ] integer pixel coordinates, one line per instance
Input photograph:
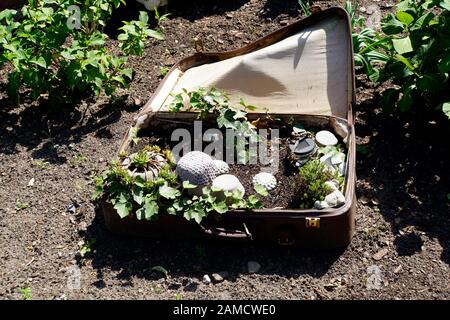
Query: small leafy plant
(51, 49)
(21, 205)
(87, 248)
(26, 293)
(309, 184)
(213, 102)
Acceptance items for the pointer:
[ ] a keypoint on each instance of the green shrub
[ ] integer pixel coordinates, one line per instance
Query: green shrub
(366, 43)
(419, 56)
(53, 50)
(414, 53)
(309, 184)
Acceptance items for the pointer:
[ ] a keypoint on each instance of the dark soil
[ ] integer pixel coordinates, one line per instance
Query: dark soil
(402, 211)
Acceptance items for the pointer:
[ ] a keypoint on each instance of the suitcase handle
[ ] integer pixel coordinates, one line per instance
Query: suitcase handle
(221, 233)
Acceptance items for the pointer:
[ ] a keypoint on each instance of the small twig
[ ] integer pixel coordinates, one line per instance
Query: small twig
(32, 259)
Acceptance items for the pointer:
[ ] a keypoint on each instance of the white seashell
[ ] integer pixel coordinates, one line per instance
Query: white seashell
(334, 199)
(265, 179)
(326, 138)
(326, 159)
(222, 166)
(228, 182)
(338, 158)
(332, 185)
(321, 205)
(197, 168)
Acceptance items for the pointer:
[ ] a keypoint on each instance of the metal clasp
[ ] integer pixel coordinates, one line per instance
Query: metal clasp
(312, 223)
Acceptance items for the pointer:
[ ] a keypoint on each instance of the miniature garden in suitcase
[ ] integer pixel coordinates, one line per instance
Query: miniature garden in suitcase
(75, 77)
(304, 167)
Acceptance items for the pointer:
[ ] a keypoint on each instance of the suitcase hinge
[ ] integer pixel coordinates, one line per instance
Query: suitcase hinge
(312, 223)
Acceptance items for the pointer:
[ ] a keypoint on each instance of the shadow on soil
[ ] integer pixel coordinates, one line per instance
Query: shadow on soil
(406, 166)
(45, 130)
(135, 257)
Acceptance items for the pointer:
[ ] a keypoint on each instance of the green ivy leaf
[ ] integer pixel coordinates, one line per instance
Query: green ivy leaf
(260, 190)
(148, 210)
(123, 208)
(195, 213)
(168, 192)
(220, 207)
(253, 202)
(187, 185)
(138, 195)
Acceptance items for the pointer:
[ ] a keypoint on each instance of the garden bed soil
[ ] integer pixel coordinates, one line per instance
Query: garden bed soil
(47, 162)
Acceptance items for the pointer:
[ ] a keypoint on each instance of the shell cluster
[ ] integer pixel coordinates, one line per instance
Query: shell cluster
(334, 199)
(265, 179)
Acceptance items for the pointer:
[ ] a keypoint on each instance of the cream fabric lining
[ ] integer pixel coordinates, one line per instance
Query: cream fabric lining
(307, 73)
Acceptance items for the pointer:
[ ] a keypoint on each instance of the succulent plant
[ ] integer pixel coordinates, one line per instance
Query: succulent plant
(145, 164)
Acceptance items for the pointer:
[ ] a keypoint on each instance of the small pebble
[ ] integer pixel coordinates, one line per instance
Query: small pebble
(206, 279)
(253, 266)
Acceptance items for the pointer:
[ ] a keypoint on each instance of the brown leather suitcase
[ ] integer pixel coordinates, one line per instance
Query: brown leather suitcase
(304, 70)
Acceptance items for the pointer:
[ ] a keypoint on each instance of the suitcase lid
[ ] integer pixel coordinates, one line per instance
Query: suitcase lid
(303, 68)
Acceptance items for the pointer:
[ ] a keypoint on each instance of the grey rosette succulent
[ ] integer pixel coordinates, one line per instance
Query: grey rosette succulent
(150, 165)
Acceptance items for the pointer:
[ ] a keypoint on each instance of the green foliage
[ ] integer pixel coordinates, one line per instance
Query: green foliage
(367, 43)
(213, 102)
(141, 160)
(87, 248)
(26, 293)
(41, 165)
(52, 51)
(305, 4)
(163, 70)
(414, 51)
(261, 190)
(164, 194)
(309, 184)
(21, 205)
(419, 56)
(135, 34)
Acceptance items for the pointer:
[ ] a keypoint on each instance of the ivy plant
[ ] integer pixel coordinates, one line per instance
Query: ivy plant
(165, 194)
(211, 101)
